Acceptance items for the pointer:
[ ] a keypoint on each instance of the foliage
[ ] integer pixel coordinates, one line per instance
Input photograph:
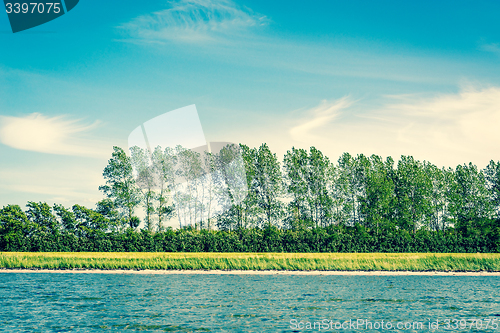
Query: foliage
(305, 204)
(87, 237)
(255, 261)
(120, 184)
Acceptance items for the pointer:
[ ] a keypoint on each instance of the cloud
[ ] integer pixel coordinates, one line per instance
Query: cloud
(464, 123)
(492, 47)
(194, 21)
(318, 117)
(230, 33)
(67, 183)
(53, 135)
(446, 129)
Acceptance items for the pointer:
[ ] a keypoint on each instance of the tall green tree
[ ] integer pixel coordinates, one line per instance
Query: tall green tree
(40, 213)
(250, 209)
(15, 228)
(470, 205)
(492, 176)
(440, 183)
(108, 210)
(413, 190)
(66, 218)
(376, 206)
(295, 180)
(338, 187)
(164, 162)
(213, 187)
(268, 184)
(120, 185)
(351, 173)
(319, 199)
(189, 195)
(246, 213)
(229, 180)
(89, 221)
(146, 182)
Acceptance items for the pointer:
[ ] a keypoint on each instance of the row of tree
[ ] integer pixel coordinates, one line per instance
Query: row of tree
(334, 238)
(240, 188)
(194, 186)
(305, 190)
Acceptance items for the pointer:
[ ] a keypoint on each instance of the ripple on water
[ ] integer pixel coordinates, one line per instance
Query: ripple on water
(232, 303)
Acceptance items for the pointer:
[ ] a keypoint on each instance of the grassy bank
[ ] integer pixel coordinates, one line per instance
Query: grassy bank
(445, 262)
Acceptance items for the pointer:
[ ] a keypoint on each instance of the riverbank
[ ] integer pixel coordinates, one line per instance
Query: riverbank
(334, 262)
(240, 272)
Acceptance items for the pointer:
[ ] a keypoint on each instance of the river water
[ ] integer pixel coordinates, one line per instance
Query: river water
(59, 302)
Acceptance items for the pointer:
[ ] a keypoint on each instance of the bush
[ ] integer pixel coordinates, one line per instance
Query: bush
(270, 239)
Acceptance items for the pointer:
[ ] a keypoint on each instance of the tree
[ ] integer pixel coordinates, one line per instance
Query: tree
(413, 190)
(107, 209)
(66, 217)
(89, 221)
(377, 205)
(319, 200)
(120, 184)
(245, 213)
(15, 228)
(189, 193)
(164, 162)
(295, 180)
(440, 179)
(351, 174)
(212, 184)
(145, 180)
(470, 206)
(492, 176)
(229, 183)
(338, 187)
(41, 215)
(268, 184)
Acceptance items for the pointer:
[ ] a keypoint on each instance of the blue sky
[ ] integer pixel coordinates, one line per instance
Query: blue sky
(372, 77)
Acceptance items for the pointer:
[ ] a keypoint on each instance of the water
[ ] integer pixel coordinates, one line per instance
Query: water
(58, 302)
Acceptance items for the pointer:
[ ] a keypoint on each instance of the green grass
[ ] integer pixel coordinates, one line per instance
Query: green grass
(455, 262)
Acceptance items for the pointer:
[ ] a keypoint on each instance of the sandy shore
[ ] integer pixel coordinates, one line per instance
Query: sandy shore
(241, 272)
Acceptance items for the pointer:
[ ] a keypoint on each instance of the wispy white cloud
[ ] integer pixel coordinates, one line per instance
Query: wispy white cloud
(491, 47)
(194, 21)
(228, 32)
(463, 125)
(53, 135)
(66, 184)
(318, 117)
(445, 129)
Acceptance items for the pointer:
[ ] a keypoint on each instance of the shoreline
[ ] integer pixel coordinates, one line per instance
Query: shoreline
(254, 263)
(248, 272)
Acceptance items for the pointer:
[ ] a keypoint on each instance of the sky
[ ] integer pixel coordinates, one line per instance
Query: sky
(389, 78)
